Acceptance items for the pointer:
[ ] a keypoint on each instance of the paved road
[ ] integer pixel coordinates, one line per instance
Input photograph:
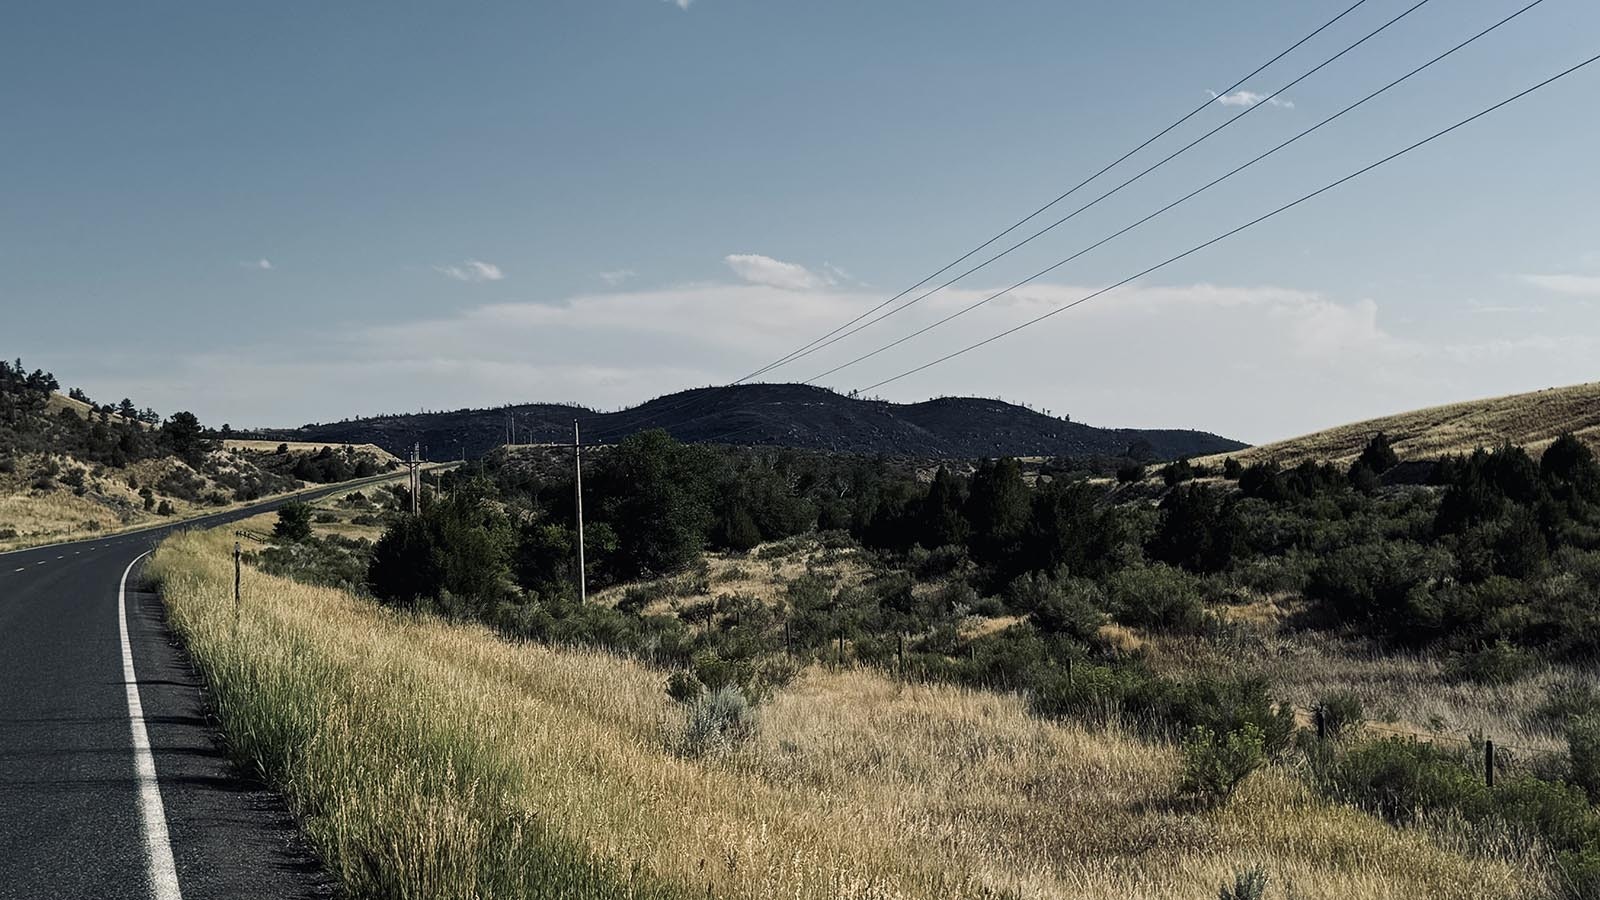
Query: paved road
(108, 792)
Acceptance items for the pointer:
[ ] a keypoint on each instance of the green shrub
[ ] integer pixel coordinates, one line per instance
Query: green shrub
(1158, 596)
(684, 687)
(717, 720)
(1583, 754)
(1248, 884)
(1498, 663)
(1214, 765)
(1341, 713)
(294, 522)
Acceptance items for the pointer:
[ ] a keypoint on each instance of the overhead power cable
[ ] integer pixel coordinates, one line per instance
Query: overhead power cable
(606, 433)
(1189, 196)
(1068, 193)
(1264, 101)
(1231, 232)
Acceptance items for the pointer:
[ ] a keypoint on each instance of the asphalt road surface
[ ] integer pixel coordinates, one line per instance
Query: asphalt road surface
(114, 787)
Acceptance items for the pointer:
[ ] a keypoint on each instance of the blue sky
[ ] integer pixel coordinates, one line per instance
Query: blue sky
(297, 212)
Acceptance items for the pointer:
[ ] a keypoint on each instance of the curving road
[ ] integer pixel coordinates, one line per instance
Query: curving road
(114, 787)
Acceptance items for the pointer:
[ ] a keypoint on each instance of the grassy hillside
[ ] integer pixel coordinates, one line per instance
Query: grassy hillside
(71, 469)
(431, 759)
(1529, 420)
(372, 450)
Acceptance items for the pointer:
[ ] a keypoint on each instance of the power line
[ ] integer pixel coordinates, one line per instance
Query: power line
(808, 348)
(1185, 198)
(1230, 233)
(1074, 189)
(1268, 99)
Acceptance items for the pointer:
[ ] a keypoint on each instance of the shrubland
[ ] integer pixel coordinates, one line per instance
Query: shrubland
(1198, 616)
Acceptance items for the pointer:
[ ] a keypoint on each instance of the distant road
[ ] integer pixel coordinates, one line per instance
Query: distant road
(111, 791)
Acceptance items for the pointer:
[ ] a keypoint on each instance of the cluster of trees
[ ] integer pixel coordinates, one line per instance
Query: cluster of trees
(109, 436)
(329, 466)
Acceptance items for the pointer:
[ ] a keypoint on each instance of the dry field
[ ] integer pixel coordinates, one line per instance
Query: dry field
(1532, 420)
(378, 453)
(431, 759)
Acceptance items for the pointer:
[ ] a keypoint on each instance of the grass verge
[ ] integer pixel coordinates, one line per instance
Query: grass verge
(431, 759)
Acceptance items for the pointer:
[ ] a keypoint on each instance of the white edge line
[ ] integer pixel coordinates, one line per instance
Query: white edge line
(162, 871)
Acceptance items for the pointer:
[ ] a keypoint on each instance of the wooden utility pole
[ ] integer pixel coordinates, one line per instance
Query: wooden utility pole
(415, 479)
(577, 468)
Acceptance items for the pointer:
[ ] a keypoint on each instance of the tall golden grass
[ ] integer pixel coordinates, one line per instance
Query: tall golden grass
(1530, 420)
(431, 759)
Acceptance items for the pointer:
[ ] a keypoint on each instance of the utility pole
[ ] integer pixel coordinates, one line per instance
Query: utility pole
(577, 467)
(415, 480)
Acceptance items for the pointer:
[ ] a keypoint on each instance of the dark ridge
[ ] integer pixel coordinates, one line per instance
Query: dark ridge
(783, 415)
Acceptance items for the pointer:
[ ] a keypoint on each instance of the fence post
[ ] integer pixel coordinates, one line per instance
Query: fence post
(1322, 723)
(1488, 762)
(238, 556)
(900, 653)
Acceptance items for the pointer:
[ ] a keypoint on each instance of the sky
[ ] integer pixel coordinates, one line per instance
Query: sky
(298, 212)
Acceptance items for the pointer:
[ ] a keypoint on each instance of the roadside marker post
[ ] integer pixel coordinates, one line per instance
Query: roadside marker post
(238, 566)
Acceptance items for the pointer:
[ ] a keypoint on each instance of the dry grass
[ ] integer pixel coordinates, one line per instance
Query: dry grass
(434, 760)
(762, 573)
(373, 450)
(1411, 692)
(1531, 420)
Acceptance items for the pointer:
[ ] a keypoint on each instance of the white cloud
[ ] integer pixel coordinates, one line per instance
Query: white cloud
(681, 4)
(472, 270)
(1249, 98)
(618, 276)
(1575, 285)
(758, 269)
(1254, 362)
(262, 264)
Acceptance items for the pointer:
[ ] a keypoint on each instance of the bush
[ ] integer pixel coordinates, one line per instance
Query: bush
(325, 518)
(294, 522)
(1341, 713)
(1248, 884)
(1130, 474)
(1158, 597)
(1215, 765)
(165, 509)
(717, 720)
(1583, 754)
(1065, 606)
(1498, 663)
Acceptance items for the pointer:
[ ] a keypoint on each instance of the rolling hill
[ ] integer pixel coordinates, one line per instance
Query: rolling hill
(1531, 420)
(785, 415)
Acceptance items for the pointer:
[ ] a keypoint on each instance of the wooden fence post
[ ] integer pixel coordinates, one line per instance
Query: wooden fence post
(1322, 723)
(1488, 762)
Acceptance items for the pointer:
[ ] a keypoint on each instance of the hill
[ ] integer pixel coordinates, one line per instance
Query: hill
(785, 415)
(1530, 420)
(70, 467)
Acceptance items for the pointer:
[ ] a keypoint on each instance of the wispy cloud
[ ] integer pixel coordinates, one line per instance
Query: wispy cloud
(472, 270)
(262, 264)
(1574, 285)
(1249, 98)
(758, 269)
(618, 276)
(1278, 361)
(681, 4)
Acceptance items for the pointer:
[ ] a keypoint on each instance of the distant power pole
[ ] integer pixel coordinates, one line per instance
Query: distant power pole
(415, 481)
(577, 467)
